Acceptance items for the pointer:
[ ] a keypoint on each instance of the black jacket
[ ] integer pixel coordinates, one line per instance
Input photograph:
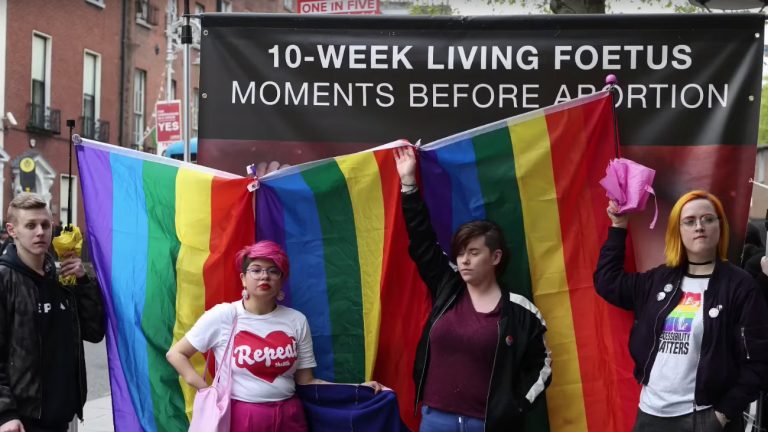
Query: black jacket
(734, 351)
(20, 340)
(522, 368)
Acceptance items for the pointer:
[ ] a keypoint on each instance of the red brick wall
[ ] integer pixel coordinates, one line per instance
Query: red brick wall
(73, 26)
(147, 51)
(77, 25)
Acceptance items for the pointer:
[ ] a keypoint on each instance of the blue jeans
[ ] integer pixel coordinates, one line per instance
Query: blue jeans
(433, 420)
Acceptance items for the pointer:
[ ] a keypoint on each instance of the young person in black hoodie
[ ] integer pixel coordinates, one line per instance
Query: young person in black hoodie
(42, 325)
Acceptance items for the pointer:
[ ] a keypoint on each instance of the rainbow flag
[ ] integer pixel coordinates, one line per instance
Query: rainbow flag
(162, 235)
(537, 176)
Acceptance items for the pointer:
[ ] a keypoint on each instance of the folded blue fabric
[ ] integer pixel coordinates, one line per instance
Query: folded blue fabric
(347, 407)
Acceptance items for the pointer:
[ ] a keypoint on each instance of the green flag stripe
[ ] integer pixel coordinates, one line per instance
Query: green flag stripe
(160, 301)
(496, 174)
(342, 269)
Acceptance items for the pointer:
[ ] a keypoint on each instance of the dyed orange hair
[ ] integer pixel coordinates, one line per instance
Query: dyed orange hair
(674, 250)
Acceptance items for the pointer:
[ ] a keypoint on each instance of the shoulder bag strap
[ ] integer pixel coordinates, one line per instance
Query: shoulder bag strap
(227, 355)
(226, 361)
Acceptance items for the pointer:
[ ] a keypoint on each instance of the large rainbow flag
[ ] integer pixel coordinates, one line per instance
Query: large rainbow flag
(163, 235)
(537, 176)
(159, 230)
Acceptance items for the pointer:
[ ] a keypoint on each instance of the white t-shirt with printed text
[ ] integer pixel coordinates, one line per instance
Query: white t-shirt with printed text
(267, 351)
(671, 387)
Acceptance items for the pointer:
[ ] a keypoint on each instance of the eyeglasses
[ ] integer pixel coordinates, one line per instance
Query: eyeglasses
(273, 272)
(705, 221)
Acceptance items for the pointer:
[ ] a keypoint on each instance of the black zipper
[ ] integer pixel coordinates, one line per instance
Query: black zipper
(696, 382)
(426, 353)
(78, 342)
(744, 340)
(36, 299)
(655, 336)
(493, 367)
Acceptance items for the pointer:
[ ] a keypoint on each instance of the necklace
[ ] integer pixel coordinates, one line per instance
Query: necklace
(700, 263)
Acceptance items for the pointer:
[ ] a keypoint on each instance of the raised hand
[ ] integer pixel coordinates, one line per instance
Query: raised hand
(618, 220)
(405, 159)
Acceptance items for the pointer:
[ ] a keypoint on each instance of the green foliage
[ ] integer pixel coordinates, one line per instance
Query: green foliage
(678, 6)
(431, 9)
(762, 129)
(535, 6)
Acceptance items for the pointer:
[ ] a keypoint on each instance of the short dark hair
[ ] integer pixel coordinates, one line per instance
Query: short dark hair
(494, 239)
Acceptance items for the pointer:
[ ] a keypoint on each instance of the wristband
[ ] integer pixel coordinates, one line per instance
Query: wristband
(409, 189)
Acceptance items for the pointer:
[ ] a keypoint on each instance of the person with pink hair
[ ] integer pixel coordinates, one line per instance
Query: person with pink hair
(272, 346)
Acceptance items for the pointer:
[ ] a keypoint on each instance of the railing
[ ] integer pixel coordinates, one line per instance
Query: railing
(94, 129)
(43, 119)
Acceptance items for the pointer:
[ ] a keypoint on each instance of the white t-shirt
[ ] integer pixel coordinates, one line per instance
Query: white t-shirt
(268, 349)
(671, 387)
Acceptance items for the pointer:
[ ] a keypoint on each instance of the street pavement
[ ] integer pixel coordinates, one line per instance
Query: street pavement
(97, 413)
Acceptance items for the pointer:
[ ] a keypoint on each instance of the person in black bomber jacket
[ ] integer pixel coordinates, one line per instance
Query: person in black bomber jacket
(482, 360)
(700, 338)
(42, 326)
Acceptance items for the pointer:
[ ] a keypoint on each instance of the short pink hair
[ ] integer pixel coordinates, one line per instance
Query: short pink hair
(264, 249)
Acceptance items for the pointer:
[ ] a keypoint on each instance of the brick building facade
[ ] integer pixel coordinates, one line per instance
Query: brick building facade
(99, 62)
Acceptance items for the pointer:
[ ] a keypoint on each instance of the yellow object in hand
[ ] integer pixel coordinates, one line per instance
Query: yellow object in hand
(69, 241)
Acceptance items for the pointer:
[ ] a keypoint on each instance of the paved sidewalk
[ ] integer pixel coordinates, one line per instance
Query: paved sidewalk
(98, 416)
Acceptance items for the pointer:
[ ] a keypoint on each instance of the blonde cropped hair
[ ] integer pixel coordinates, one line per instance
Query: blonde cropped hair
(674, 251)
(24, 201)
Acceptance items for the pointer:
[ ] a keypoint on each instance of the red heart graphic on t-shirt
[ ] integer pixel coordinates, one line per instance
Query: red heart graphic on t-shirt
(265, 357)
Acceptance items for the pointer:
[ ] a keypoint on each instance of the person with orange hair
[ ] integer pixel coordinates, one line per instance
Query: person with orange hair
(700, 338)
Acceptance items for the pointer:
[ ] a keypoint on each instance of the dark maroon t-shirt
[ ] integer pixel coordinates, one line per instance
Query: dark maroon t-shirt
(461, 350)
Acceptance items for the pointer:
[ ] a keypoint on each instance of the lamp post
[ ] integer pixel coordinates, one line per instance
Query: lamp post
(186, 40)
(170, 27)
(173, 43)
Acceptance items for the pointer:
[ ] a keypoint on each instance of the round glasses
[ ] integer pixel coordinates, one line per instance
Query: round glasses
(705, 221)
(272, 272)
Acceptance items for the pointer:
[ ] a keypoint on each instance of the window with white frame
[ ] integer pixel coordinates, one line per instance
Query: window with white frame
(99, 3)
(91, 93)
(289, 5)
(145, 13)
(64, 198)
(139, 96)
(194, 109)
(41, 79)
(224, 6)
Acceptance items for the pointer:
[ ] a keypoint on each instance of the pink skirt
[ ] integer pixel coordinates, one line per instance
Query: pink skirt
(282, 416)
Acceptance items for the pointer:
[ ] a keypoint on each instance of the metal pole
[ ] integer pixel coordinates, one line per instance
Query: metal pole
(186, 40)
(70, 125)
(170, 19)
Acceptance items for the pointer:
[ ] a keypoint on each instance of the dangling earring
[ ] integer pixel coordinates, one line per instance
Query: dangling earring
(246, 296)
(280, 296)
